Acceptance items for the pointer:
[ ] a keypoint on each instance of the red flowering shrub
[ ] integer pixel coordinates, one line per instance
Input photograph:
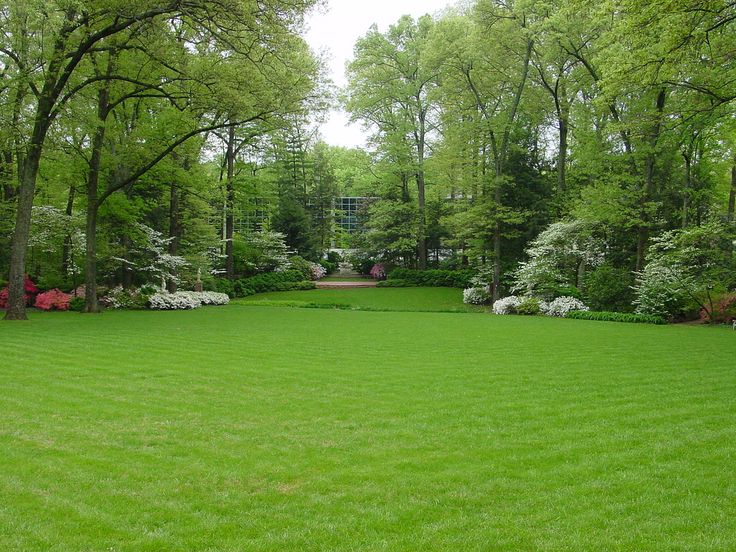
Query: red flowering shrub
(53, 300)
(29, 287)
(30, 290)
(724, 310)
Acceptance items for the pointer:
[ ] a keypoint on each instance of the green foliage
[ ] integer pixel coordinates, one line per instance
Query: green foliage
(686, 268)
(557, 257)
(54, 281)
(434, 277)
(603, 316)
(362, 264)
(397, 283)
(390, 234)
(221, 285)
(721, 308)
(330, 267)
(302, 266)
(291, 220)
(265, 252)
(529, 306)
(77, 304)
(334, 257)
(609, 288)
(270, 281)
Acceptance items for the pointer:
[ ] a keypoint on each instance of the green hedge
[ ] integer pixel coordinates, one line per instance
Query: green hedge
(616, 317)
(431, 278)
(288, 280)
(396, 284)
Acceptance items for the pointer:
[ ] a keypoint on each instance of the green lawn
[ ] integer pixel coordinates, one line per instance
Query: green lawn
(252, 428)
(397, 299)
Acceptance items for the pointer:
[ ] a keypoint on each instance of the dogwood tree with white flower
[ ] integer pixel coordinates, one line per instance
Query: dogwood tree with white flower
(559, 257)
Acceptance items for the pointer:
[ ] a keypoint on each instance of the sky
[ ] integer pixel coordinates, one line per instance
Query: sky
(335, 29)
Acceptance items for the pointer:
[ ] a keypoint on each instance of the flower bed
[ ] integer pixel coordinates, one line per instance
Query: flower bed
(507, 305)
(53, 300)
(476, 296)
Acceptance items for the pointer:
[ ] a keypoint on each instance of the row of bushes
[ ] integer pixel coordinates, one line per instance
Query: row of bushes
(396, 284)
(604, 316)
(287, 280)
(186, 300)
(531, 306)
(404, 277)
(564, 307)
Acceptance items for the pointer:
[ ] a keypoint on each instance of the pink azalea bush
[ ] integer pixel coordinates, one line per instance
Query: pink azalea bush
(378, 272)
(30, 290)
(53, 300)
(318, 271)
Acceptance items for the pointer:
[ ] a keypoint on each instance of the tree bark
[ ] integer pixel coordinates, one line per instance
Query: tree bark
(174, 232)
(6, 176)
(421, 196)
(688, 187)
(563, 116)
(498, 228)
(422, 229)
(19, 242)
(93, 178)
(230, 205)
(91, 304)
(56, 76)
(646, 197)
(732, 194)
(66, 261)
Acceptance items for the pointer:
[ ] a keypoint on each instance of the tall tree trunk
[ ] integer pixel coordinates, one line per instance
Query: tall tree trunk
(421, 137)
(563, 116)
(174, 225)
(230, 205)
(66, 261)
(90, 260)
(7, 177)
(646, 197)
(422, 220)
(498, 228)
(732, 194)
(688, 187)
(56, 75)
(93, 179)
(19, 242)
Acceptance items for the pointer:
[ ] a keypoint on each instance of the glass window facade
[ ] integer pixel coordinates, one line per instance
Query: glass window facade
(347, 210)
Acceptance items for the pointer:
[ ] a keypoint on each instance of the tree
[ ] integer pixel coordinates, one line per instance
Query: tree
(390, 89)
(65, 36)
(490, 52)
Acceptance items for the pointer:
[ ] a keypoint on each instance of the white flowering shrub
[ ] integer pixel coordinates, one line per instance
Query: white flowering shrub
(119, 298)
(476, 296)
(266, 252)
(555, 258)
(684, 268)
(207, 297)
(507, 305)
(150, 255)
(318, 271)
(52, 227)
(174, 301)
(563, 305)
(661, 290)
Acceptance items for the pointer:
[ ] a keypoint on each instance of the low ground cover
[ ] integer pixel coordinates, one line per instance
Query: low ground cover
(252, 428)
(392, 299)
